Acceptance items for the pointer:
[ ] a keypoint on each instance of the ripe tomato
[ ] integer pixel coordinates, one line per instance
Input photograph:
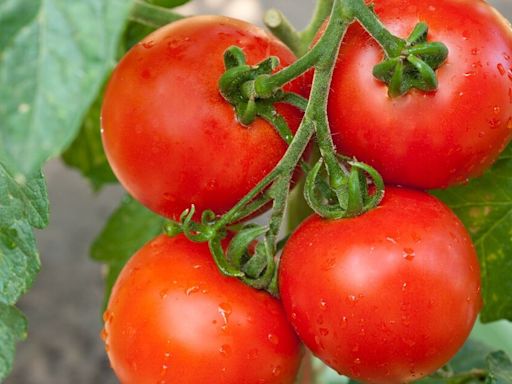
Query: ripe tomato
(170, 137)
(173, 318)
(387, 297)
(436, 139)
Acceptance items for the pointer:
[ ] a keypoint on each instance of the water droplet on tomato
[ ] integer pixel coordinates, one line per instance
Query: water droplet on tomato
(324, 331)
(225, 311)
(404, 287)
(323, 305)
(192, 290)
(225, 350)
(501, 69)
(344, 322)
(474, 51)
(469, 74)
(148, 44)
(494, 123)
(509, 123)
(391, 240)
(408, 254)
(273, 339)
(104, 334)
(329, 264)
(277, 370)
(253, 354)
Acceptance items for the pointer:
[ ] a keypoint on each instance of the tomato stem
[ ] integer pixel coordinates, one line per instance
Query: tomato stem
(298, 42)
(391, 44)
(152, 15)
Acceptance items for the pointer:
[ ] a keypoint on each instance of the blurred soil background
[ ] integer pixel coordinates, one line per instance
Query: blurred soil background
(63, 307)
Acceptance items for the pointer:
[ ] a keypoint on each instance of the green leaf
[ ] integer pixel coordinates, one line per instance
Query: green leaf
(22, 198)
(13, 328)
(500, 368)
(86, 153)
(54, 55)
(485, 207)
(19, 261)
(168, 3)
(23, 205)
(127, 230)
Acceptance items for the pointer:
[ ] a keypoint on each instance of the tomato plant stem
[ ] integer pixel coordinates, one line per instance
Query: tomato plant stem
(298, 42)
(391, 44)
(152, 15)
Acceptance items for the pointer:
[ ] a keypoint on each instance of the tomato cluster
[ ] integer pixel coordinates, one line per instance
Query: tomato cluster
(386, 297)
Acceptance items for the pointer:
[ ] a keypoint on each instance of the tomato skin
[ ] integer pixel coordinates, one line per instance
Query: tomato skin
(173, 318)
(387, 297)
(170, 137)
(428, 140)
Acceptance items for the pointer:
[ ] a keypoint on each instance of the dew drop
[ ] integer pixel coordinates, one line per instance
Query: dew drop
(225, 350)
(344, 322)
(408, 254)
(357, 361)
(323, 305)
(225, 311)
(277, 370)
(148, 44)
(324, 331)
(391, 240)
(169, 197)
(191, 290)
(329, 264)
(494, 123)
(273, 339)
(253, 354)
(501, 69)
(104, 334)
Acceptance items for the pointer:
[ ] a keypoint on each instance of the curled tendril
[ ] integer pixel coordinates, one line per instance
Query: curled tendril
(351, 198)
(237, 253)
(261, 267)
(195, 231)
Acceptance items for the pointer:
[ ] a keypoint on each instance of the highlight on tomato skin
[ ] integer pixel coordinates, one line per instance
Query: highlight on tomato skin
(387, 297)
(173, 318)
(433, 139)
(169, 135)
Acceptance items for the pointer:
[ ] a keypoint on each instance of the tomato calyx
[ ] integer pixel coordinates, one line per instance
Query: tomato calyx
(414, 65)
(241, 86)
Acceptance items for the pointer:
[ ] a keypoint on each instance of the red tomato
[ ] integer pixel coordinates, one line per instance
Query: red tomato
(436, 139)
(387, 297)
(173, 318)
(170, 137)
